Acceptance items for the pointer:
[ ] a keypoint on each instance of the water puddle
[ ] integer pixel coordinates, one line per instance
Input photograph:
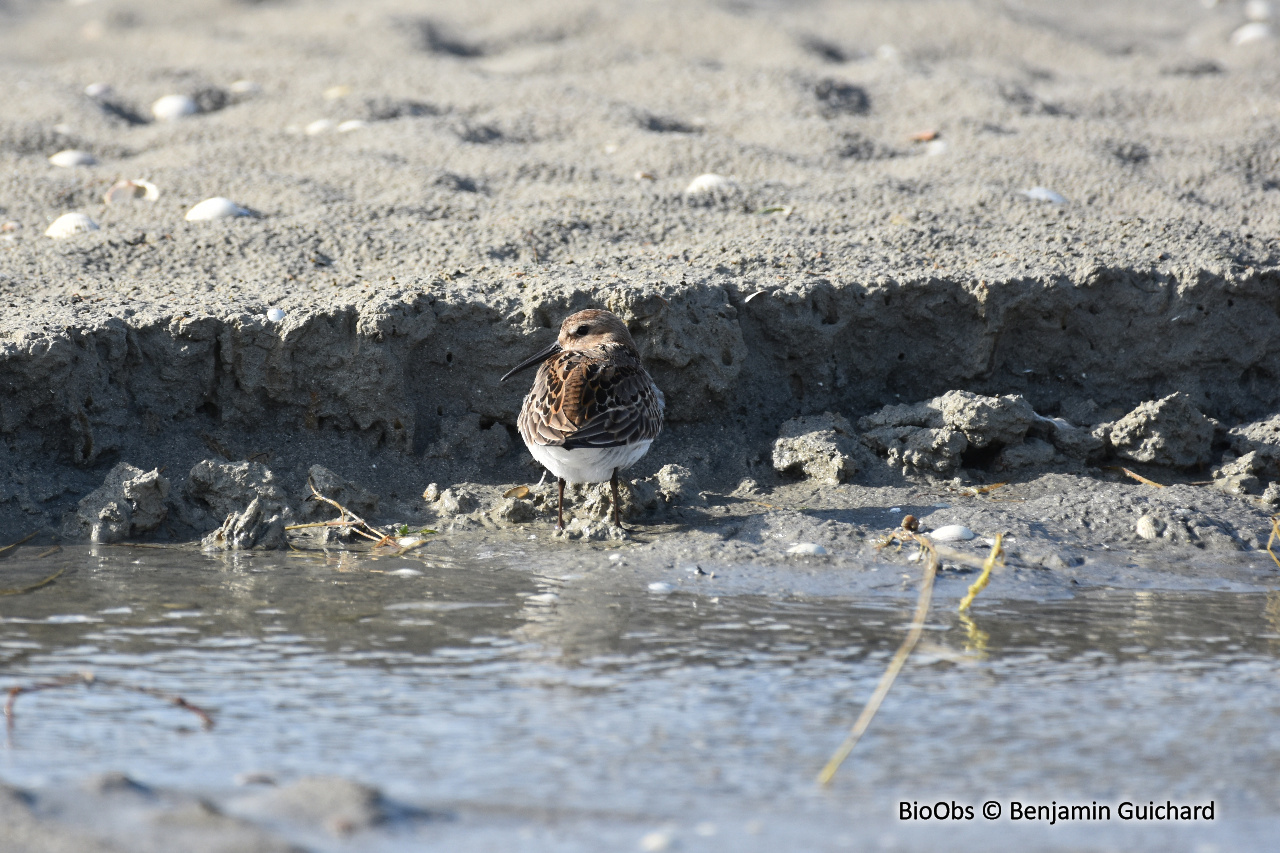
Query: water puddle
(545, 710)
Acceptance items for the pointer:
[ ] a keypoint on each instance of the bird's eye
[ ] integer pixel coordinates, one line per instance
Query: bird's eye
(581, 330)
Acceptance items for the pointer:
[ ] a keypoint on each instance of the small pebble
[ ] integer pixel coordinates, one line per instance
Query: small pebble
(431, 493)
(1250, 33)
(245, 87)
(275, 315)
(333, 93)
(70, 223)
(807, 549)
(707, 183)
(660, 588)
(1043, 194)
(935, 147)
(73, 157)
(10, 226)
(99, 90)
(352, 124)
(320, 125)
(952, 533)
(173, 107)
(215, 208)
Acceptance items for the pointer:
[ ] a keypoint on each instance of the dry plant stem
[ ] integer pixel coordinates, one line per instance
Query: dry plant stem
(356, 522)
(1143, 480)
(997, 551)
(88, 679)
(1275, 534)
(7, 548)
(895, 665)
(19, 590)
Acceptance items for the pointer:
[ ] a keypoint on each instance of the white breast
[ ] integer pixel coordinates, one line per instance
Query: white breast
(588, 464)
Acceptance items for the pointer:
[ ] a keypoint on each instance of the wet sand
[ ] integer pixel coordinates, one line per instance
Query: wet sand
(1073, 206)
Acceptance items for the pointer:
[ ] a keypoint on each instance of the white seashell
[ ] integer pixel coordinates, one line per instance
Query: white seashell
(935, 147)
(1250, 33)
(1043, 194)
(99, 90)
(73, 157)
(173, 107)
(215, 208)
(333, 93)
(707, 183)
(952, 533)
(1257, 10)
(276, 315)
(352, 124)
(406, 573)
(70, 223)
(1149, 527)
(754, 295)
(322, 125)
(244, 87)
(123, 191)
(660, 588)
(807, 549)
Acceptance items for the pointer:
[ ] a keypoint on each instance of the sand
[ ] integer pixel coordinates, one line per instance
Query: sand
(1071, 205)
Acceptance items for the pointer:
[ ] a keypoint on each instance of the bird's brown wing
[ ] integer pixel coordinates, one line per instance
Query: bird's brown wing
(578, 401)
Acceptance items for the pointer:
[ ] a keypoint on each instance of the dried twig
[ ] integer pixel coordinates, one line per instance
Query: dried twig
(932, 556)
(347, 519)
(1275, 534)
(20, 590)
(7, 548)
(88, 679)
(1141, 479)
(997, 554)
(899, 658)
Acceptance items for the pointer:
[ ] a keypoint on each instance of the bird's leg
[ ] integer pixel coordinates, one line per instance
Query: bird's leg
(560, 504)
(613, 483)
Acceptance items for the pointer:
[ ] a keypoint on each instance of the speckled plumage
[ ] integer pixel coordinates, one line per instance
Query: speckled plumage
(593, 409)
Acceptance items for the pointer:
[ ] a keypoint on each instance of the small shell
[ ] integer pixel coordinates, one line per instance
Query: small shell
(935, 147)
(707, 183)
(333, 93)
(1252, 32)
(244, 87)
(275, 315)
(321, 125)
(952, 533)
(70, 223)
(807, 549)
(173, 107)
(1043, 194)
(1149, 527)
(431, 493)
(352, 124)
(73, 157)
(98, 91)
(124, 191)
(406, 573)
(516, 492)
(215, 208)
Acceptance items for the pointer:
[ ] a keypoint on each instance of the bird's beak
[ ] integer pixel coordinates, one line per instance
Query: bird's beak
(532, 360)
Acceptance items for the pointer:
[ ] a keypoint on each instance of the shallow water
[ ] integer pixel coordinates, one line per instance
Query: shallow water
(529, 708)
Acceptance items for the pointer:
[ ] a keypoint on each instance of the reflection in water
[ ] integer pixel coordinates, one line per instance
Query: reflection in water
(499, 679)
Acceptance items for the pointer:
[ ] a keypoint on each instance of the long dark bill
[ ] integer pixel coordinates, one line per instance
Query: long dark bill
(532, 360)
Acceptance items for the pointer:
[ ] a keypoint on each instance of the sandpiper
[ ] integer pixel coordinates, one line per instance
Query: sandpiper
(593, 410)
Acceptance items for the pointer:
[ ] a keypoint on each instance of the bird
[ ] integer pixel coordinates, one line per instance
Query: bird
(593, 410)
